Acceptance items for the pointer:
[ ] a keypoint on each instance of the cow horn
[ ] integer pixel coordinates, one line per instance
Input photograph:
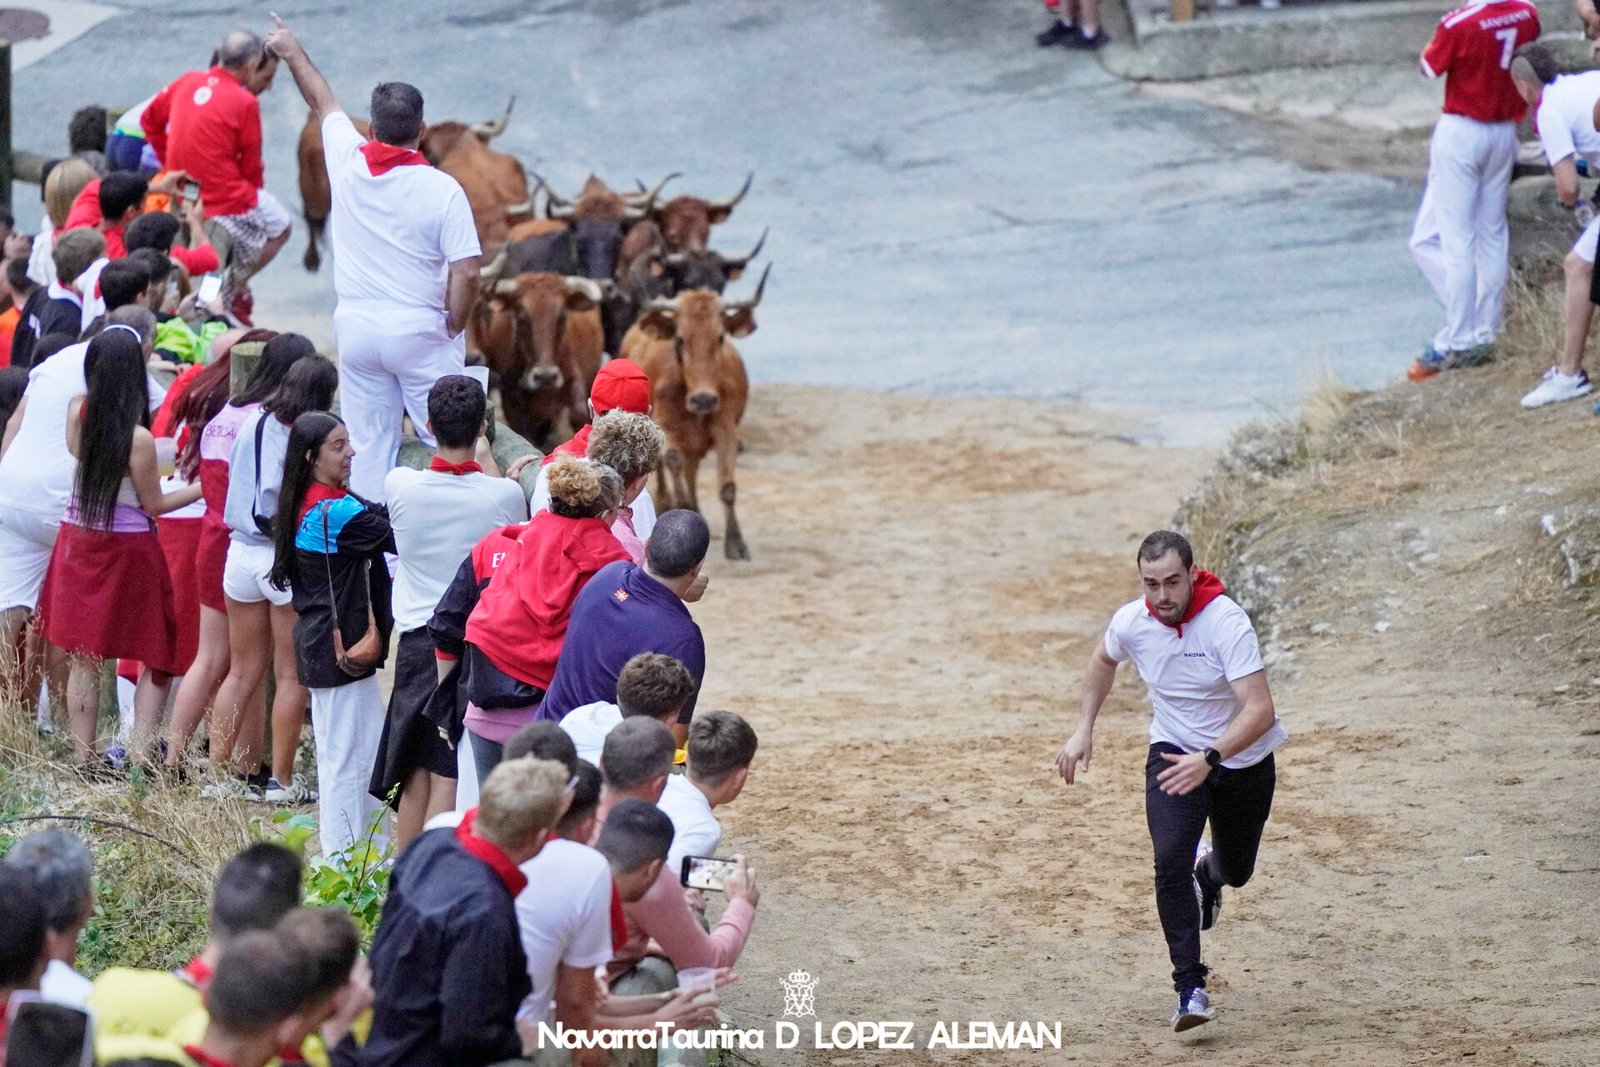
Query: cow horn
(505, 287)
(730, 262)
(729, 205)
(492, 270)
(644, 199)
(587, 286)
(747, 305)
(488, 131)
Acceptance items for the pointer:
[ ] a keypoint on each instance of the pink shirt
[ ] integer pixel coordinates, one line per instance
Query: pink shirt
(662, 915)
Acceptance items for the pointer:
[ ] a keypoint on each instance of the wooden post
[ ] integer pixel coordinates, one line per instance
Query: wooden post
(5, 124)
(1182, 10)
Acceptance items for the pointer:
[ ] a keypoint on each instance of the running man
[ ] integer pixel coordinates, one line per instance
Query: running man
(1211, 743)
(405, 265)
(1460, 240)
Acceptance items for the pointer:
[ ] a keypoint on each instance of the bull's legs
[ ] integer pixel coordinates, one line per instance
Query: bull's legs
(313, 257)
(671, 480)
(691, 480)
(725, 438)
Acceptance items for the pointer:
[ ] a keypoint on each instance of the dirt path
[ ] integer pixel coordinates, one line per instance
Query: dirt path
(928, 577)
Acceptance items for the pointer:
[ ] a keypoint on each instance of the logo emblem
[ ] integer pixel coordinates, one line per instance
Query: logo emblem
(202, 95)
(620, 596)
(799, 989)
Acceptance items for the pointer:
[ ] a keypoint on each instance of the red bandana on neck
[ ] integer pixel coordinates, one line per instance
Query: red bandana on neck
(316, 493)
(1207, 587)
(202, 1058)
(382, 158)
(578, 446)
(444, 466)
(490, 853)
(196, 973)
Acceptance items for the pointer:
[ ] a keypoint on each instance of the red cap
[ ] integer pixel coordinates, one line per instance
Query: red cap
(621, 384)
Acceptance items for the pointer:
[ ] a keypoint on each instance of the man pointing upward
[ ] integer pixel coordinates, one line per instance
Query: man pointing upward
(1211, 742)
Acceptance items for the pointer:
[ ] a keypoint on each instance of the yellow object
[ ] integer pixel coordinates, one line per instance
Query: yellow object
(681, 756)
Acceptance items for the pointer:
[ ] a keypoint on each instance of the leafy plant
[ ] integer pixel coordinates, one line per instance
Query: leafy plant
(355, 878)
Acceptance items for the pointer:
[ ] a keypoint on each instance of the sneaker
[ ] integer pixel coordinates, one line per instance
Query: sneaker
(243, 307)
(1555, 387)
(292, 795)
(1086, 43)
(1058, 33)
(230, 788)
(1430, 363)
(1479, 355)
(1194, 1009)
(1209, 898)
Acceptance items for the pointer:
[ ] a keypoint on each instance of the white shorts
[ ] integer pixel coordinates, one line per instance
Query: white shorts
(252, 230)
(1587, 240)
(26, 540)
(246, 575)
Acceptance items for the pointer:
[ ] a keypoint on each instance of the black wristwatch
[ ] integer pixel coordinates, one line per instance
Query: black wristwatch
(1213, 758)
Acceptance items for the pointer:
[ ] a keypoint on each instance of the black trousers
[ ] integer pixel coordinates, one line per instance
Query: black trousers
(1237, 802)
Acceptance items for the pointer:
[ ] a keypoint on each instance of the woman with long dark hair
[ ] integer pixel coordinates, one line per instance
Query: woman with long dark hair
(107, 593)
(328, 548)
(260, 617)
(205, 453)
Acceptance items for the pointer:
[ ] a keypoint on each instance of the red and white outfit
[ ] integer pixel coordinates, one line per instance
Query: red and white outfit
(216, 453)
(398, 224)
(209, 125)
(1460, 239)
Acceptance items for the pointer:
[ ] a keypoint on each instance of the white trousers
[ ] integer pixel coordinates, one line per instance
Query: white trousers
(388, 360)
(347, 724)
(1460, 240)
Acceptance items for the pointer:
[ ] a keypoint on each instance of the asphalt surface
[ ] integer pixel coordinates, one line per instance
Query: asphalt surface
(953, 210)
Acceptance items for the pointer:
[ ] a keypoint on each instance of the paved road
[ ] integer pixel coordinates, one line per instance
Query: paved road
(953, 210)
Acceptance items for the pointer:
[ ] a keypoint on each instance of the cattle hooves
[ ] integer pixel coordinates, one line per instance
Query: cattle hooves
(736, 549)
(312, 261)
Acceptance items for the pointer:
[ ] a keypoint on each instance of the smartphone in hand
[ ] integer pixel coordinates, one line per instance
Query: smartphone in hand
(706, 872)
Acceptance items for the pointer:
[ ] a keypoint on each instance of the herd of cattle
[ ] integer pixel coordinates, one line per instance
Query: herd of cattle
(604, 272)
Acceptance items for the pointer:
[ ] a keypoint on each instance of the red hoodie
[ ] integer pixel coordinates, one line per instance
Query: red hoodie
(521, 619)
(1207, 587)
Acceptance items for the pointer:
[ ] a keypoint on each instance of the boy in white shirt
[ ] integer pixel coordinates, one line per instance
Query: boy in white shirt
(651, 684)
(721, 748)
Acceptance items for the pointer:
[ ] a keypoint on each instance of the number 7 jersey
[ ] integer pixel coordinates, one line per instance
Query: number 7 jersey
(1472, 50)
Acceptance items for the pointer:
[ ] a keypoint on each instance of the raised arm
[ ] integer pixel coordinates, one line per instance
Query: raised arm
(282, 43)
(1078, 749)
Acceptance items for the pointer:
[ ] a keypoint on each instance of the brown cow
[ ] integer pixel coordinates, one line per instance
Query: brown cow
(540, 335)
(682, 224)
(317, 199)
(698, 391)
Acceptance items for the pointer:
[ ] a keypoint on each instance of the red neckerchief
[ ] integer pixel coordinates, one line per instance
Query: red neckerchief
(444, 466)
(202, 1058)
(1207, 587)
(490, 853)
(619, 921)
(382, 158)
(196, 972)
(316, 493)
(578, 446)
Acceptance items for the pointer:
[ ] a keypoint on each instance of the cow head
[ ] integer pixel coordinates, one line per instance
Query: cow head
(526, 321)
(677, 272)
(699, 324)
(686, 221)
(596, 220)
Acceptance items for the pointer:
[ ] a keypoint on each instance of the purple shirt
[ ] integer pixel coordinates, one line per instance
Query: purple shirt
(619, 614)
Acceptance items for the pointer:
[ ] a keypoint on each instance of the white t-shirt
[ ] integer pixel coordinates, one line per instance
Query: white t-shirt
(394, 236)
(588, 726)
(565, 917)
(695, 830)
(1189, 676)
(60, 984)
(88, 286)
(37, 471)
(251, 494)
(644, 509)
(437, 518)
(1566, 117)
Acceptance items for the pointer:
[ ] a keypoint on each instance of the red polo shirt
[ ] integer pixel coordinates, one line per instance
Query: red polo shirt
(208, 124)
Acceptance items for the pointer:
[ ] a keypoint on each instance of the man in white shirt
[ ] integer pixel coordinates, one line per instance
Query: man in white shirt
(1565, 119)
(721, 748)
(437, 515)
(651, 684)
(63, 870)
(36, 476)
(405, 264)
(1211, 742)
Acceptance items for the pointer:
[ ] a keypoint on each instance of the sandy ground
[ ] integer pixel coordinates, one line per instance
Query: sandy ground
(929, 575)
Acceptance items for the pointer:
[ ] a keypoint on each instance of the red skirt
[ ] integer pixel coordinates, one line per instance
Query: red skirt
(180, 542)
(109, 595)
(210, 557)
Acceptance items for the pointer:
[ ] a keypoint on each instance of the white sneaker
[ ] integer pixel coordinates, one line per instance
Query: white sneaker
(1194, 1009)
(229, 788)
(292, 795)
(1210, 900)
(1555, 387)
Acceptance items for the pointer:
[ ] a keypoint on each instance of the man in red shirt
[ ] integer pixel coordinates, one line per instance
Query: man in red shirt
(1460, 239)
(208, 124)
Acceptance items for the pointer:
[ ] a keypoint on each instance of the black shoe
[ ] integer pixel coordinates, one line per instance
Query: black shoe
(1058, 33)
(1089, 44)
